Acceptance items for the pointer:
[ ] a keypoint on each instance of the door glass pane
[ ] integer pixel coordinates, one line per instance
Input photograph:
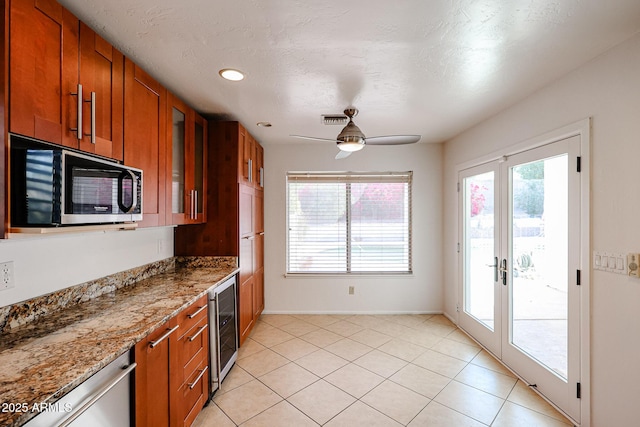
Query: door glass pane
(479, 244)
(539, 259)
(177, 163)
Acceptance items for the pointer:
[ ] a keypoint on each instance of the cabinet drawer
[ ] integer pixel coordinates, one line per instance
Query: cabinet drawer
(194, 393)
(192, 365)
(192, 315)
(195, 340)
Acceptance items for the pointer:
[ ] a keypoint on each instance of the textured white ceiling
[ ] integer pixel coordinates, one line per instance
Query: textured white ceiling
(428, 67)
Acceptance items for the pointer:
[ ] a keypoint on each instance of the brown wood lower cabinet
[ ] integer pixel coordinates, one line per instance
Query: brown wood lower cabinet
(153, 389)
(173, 369)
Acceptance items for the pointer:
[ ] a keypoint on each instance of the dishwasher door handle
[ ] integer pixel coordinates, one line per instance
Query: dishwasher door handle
(98, 394)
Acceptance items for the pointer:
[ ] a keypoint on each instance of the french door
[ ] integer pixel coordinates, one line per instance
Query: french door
(520, 255)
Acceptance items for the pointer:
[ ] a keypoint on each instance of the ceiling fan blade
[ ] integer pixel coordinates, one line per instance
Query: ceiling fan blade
(313, 138)
(392, 139)
(343, 154)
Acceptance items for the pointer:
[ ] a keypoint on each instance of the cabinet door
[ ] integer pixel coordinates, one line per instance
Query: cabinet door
(245, 309)
(178, 205)
(200, 169)
(245, 156)
(259, 167)
(258, 275)
(145, 147)
(101, 75)
(258, 211)
(246, 210)
(153, 382)
(43, 53)
(186, 164)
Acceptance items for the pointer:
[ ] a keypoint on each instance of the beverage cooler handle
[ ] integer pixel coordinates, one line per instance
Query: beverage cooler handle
(218, 349)
(134, 191)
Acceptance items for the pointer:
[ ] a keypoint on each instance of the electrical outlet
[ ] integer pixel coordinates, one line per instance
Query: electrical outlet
(352, 290)
(6, 275)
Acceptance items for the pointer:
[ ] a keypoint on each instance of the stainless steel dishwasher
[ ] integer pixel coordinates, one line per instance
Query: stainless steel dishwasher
(223, 331)
(103, 400)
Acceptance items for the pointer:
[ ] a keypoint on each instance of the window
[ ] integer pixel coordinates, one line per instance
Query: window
(348, 222)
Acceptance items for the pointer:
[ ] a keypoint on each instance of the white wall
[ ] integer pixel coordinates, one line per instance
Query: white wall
(608, 90)
(420, 292)
(44, 264)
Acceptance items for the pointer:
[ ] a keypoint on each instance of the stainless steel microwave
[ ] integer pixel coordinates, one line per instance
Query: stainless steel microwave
(53, 186)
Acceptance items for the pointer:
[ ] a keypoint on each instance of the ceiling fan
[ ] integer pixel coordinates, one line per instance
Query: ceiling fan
(352, 139)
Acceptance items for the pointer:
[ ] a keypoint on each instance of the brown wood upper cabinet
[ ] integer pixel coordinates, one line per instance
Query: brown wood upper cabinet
(53, 59)
(251, 158)
(186, 164)
(145, 148)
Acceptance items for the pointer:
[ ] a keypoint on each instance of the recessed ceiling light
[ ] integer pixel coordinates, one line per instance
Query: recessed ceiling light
(231, 74)
(264, 124)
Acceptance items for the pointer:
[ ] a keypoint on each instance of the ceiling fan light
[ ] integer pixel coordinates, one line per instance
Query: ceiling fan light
(351, 144)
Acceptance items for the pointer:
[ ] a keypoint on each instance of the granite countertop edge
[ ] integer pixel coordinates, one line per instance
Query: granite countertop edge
(77, 342)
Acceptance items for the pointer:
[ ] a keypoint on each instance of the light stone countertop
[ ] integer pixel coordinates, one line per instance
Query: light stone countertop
(42, 361)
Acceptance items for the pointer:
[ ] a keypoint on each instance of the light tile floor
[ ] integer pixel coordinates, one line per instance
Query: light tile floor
(391, 370)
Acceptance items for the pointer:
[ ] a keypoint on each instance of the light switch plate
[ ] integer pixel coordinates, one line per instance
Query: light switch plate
(612, 262)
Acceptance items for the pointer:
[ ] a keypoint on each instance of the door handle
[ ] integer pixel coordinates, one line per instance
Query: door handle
(495, 268)
(503, 271)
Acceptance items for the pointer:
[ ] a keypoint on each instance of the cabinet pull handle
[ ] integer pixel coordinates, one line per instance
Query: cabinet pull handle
(193, 384)
(261, 233)
(104, 390)
(250, 170)
(195, 204)
(249, 237)
(78, 129)
(198, 333)
(192, 315)
(262, 177)
(92, 131)
(152, 344)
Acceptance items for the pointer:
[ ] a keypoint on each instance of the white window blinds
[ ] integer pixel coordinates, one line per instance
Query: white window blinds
(349, 222)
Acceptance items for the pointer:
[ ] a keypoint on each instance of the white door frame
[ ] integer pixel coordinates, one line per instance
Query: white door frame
(581, 128)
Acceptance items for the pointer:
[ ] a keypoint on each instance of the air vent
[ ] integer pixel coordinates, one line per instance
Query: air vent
(334, 119)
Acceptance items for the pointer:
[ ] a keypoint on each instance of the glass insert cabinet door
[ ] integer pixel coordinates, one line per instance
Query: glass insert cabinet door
(178, 119)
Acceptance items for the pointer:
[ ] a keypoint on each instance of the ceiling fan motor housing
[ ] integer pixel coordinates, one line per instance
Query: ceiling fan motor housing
(351, 138)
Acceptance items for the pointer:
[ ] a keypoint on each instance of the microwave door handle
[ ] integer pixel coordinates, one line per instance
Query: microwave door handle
(134, 192)
(134, 195)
